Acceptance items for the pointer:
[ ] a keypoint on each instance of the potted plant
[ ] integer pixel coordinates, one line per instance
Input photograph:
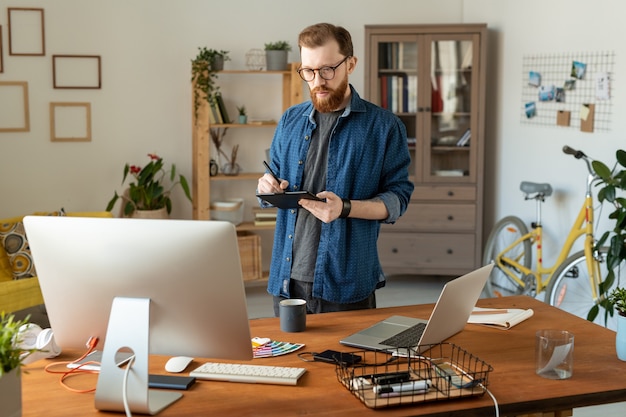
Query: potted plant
(617, 298)
(276, 55)
(148, 192)
(204, 69)
(243, 117)
(611, 182)
(11, 362)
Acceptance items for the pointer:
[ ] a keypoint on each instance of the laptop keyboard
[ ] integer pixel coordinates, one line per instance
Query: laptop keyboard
(406, 338)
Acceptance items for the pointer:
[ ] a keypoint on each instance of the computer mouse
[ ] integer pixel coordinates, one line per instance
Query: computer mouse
(177, 363)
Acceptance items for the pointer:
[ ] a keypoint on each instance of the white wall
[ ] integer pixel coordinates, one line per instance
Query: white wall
(145, 101)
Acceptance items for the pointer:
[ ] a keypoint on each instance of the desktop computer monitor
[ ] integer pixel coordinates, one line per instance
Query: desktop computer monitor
(169, 287)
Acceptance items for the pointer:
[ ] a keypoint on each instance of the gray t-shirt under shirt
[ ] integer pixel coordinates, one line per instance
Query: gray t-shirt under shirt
(308, 227)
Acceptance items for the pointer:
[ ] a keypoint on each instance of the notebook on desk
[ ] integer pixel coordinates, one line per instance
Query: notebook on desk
(449, 316)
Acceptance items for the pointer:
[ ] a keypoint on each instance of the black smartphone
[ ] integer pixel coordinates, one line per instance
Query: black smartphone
(333, 356)
(171, 381)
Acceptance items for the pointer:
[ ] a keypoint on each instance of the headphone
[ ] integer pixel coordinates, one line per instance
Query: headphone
(31, 336)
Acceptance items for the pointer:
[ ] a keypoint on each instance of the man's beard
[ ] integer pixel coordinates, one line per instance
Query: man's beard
(334, 99)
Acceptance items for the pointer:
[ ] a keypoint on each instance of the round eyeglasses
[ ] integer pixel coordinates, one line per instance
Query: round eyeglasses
(327, 73)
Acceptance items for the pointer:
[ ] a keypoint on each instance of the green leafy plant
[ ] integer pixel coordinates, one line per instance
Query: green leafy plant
(241, 110)
(11, 355)
(278, 46)
(147, 192)
(611, 183)
(204, 74)
(618, 299)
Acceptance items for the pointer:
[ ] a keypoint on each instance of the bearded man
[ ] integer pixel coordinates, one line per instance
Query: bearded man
(351, 154)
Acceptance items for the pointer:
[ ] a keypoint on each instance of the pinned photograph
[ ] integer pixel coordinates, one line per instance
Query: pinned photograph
(578, 69)
(534, 79)
(546, 92)
(530, 109)
(559, 96)
(602, 86)
(569, 84)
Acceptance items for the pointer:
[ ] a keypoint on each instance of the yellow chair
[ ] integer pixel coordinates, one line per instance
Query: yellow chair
(23, 293)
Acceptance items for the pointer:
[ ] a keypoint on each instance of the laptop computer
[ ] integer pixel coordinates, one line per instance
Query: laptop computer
(449, 316)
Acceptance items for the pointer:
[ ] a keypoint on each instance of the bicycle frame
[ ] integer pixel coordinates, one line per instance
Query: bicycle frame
(583, 225)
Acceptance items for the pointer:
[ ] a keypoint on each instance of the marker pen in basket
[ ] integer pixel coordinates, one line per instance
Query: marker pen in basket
(411, 387)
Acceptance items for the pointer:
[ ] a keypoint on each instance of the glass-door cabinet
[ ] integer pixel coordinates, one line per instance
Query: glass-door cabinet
(431, 81)
(432, 77)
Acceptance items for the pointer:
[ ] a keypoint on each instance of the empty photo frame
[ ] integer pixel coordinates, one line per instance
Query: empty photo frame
(1, 53)
(26, 32)
(70, 122)
(76, 71)
(14, 110)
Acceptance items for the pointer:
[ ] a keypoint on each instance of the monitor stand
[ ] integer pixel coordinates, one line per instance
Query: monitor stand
(129, 328)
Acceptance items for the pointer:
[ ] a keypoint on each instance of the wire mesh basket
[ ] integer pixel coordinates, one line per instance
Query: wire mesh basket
(440, 372)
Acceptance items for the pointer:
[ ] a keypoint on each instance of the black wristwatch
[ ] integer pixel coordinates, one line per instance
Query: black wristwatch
(345, 210)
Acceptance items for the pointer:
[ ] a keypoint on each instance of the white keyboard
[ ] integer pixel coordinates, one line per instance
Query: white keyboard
(235, 372)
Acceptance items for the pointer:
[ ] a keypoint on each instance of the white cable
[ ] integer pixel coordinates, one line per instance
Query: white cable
(495, 402)
(129, 364)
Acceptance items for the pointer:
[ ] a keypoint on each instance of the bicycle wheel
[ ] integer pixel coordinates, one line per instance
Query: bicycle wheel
(503, 234)
(569, 287)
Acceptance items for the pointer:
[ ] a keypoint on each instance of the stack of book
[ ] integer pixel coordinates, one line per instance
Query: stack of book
(218, 113)
(264, 216)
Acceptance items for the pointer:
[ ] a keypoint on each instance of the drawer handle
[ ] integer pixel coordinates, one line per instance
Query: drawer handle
(450, 193)
(394, 250)
(450, 217)
(449, 251)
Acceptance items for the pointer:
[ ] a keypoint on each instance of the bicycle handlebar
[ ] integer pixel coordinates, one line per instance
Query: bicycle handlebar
(570, 151)
(581, 155)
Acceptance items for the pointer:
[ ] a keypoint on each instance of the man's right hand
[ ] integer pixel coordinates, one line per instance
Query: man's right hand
(268, 185)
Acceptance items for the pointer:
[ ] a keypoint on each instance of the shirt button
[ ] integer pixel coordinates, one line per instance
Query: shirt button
(300, 162)
(290, 236)
(307, 137)
(287, 259)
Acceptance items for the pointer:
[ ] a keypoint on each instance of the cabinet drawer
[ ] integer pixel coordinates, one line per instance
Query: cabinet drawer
(436, 217)
(444, 193)
(426, 250)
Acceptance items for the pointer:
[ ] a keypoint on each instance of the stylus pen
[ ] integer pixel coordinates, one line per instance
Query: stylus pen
(271, 172)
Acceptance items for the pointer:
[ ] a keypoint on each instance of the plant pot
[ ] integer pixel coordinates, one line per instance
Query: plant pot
(217, 63)
(276, 60)
(11, 394)
(150, 214)
(243, 119)
(620, 337)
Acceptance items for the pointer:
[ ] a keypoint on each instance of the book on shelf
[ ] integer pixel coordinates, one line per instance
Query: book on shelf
(500, 318)
(221, 107)
(214, 114)
(464, 140)
(262, 122)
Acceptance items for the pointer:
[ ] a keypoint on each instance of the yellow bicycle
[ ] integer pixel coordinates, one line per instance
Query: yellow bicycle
(572, 283)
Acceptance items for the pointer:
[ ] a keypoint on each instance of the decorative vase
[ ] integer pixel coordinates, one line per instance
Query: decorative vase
(620, 337)
(150, 214)
(11, 394)
(276, 60)
(231, 169)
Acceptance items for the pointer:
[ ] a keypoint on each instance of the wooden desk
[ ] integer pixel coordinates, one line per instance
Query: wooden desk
(599, 377)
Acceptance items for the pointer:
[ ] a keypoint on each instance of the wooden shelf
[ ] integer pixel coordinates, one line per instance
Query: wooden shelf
(242, 176)
(250, 226)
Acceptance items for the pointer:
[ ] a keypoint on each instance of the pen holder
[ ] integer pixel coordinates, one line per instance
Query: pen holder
(440, 372)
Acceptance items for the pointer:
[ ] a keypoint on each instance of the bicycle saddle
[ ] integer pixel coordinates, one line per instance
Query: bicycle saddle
(534, 187)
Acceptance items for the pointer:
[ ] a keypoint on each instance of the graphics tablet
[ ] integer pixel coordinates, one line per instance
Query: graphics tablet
(288, 199)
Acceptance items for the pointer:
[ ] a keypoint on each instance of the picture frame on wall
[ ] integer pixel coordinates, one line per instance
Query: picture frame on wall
(26, 31)
(77, 71)
(14, 108)
(1, 52)
(70, 122)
